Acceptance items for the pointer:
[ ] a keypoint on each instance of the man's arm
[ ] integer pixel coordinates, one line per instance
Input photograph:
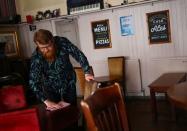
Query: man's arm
(35, 79)
(77, 54)
(81, 58)
(35, 83)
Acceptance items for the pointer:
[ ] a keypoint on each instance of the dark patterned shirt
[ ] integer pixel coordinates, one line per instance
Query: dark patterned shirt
(59, 76)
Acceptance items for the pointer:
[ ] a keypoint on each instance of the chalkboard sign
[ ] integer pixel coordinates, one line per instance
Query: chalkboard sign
(101, 34)
(159, 27)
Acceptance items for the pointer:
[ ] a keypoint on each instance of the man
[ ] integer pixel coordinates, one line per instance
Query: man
(52, 76)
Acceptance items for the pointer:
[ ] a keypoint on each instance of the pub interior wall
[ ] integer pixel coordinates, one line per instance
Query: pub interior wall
(153, 60)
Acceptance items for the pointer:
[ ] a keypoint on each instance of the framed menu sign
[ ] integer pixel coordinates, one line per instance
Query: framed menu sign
(101, 34)
(159, 27)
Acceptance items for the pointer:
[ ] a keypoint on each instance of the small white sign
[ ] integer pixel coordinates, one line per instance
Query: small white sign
(126, 23)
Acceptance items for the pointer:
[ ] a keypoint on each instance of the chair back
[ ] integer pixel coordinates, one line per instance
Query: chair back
(105, 110)
(116, 66)
(81, 79)
(12, 98)
(90, 87)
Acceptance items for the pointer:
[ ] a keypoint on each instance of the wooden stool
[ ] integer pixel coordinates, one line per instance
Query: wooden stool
(60, 119)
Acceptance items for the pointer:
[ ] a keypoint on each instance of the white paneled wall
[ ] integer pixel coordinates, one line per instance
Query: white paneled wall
(154, 59)
(137, 46)
(26, 41)
(68, 28)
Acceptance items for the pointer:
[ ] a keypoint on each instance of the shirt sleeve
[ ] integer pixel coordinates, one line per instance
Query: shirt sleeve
(35, 79)
(78, 55)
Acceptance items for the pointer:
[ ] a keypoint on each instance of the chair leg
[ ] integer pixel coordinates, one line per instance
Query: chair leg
(73, 127)
(123, 90)
(174, 113)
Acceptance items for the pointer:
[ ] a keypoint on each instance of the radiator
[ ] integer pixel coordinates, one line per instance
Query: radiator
(133, 76)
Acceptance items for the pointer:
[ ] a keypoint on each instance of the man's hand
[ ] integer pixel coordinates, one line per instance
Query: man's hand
(89, 77)
(51, 105)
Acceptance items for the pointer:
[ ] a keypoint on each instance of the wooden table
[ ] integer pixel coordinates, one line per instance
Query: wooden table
(161, 85)
(105, 80)
(178, 96)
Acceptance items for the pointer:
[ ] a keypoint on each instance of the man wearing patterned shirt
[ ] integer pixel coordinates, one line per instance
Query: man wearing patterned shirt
(52, 76)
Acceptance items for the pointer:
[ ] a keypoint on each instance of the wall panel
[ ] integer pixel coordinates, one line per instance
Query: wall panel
(154, 59)
(137, 46)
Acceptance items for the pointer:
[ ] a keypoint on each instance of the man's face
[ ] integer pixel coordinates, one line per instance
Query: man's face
(47, 50)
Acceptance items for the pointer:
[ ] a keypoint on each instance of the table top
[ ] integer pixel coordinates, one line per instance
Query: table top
(167, 80)
(102, 79)
(178, 95)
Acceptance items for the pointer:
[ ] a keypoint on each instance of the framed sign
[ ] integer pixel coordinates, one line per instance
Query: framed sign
(126, 23)
(159, 27)
(11, 43)
(101, 34)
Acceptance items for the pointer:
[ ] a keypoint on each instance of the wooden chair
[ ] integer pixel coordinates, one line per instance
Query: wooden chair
(15, 115)
(81, 80)
(20, 120)
(90, 88)
(105, 110)
(85, 89)
(116, 66)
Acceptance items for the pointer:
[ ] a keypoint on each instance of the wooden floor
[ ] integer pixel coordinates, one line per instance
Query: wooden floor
(140, 117)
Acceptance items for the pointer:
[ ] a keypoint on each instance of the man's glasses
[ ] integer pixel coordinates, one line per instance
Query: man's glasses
(44, 47)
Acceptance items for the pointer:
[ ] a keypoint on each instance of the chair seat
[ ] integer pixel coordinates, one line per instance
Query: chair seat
(22, 120)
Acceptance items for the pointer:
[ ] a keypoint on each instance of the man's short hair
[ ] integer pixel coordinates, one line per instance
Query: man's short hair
(43, 36)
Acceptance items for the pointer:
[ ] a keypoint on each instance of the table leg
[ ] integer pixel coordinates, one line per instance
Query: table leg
(154, 105)
(173, 111)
